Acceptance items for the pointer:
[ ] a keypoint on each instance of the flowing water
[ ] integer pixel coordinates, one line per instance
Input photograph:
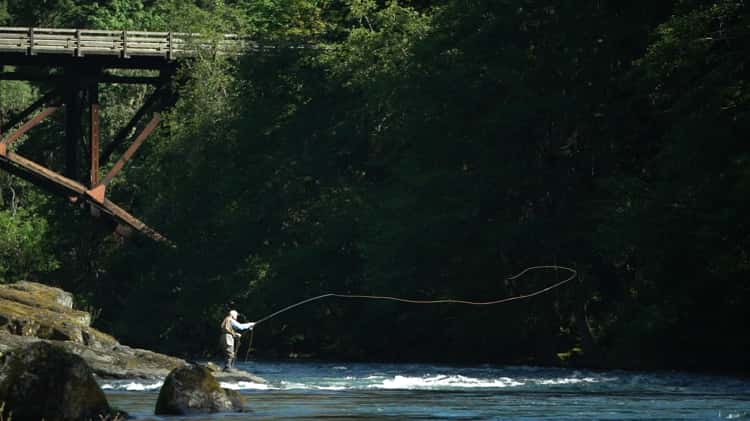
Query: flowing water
(327, 391)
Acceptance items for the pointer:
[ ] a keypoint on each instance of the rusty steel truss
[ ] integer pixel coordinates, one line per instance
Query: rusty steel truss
(75, 78)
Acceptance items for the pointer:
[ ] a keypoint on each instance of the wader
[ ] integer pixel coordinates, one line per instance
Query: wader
(227, 342)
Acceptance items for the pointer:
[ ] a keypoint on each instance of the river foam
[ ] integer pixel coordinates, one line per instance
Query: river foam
(132, 386)
(421, 382)
(384, 382)
(444, 382)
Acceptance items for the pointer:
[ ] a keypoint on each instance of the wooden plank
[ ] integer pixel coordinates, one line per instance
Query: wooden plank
(54, 44)
(149, 33)
(100, 38)
(101, 32)
(52, 30)
(99, 50)
(103, 46)
(146, 45)
(40, 37)
(146, 39)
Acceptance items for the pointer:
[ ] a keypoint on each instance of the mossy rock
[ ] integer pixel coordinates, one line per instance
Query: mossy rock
(44, 381)
(31, 309)
(193, 390)
(51, 296)
(25, 320)
(43, 297)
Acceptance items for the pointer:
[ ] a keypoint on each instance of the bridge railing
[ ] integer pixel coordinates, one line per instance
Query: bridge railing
(81, 42)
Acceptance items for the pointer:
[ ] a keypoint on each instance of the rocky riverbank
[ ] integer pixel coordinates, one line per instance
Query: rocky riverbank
(32, 312)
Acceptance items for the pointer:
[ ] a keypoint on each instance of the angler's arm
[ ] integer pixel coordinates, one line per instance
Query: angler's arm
(242, 326)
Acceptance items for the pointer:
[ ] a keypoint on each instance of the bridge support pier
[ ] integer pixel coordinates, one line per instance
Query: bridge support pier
(73, 132)
(95, 134)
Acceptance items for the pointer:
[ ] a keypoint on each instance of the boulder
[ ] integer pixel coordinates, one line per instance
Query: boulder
(193, 390)
(43, 381)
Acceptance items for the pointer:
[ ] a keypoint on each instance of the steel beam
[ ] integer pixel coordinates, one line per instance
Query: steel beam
(98, 192)
(23, 115)
(104, 78)
(123, 133)
(25, 128)
(47, 178)
(150, 127)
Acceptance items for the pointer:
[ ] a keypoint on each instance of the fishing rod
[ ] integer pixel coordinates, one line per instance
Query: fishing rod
(573, 274)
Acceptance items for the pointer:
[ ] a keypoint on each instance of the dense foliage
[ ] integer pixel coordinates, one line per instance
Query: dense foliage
(426, 150)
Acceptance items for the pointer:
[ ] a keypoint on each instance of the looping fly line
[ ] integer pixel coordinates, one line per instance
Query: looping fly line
(573, 274)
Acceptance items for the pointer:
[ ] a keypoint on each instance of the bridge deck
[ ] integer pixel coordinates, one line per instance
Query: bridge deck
(126, 49)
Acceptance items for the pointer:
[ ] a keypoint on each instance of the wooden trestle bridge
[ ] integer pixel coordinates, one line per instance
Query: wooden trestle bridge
(75, 62)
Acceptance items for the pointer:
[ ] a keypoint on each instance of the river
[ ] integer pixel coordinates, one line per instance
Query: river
(342, 391)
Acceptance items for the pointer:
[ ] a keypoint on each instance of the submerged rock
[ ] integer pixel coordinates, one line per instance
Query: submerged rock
(192, 390)
(44, 381)
(235, 375)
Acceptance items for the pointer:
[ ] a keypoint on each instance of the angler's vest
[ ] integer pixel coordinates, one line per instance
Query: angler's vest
(226, 326)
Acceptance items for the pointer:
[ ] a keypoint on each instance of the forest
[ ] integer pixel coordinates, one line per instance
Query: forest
(421, 149)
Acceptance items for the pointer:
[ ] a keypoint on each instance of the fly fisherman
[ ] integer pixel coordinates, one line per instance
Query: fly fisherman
(229, 328)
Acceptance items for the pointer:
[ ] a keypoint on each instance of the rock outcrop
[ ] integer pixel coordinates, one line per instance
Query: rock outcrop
(32, 312)
(31, 309)
(193, 390)
(44, 381)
